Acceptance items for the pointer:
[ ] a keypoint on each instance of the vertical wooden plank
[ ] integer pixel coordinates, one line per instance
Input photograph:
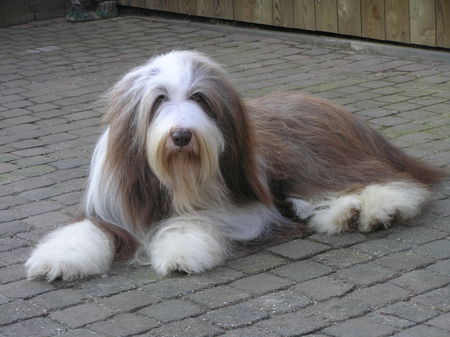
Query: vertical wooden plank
(423, 22)
(397, 20)
(188, 7)
(443, 23)
(326, 15)
(153, 4)
(171, 5)
(205, 8)
(283, 13)
(224, 9)
(136, 3)
(304, 14)
(256, 11)
(372, 19)
(349, 17)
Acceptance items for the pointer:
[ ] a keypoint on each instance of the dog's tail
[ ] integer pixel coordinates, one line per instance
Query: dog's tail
(402, 162)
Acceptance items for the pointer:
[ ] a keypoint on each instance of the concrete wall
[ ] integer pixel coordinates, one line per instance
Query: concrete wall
(14, 12)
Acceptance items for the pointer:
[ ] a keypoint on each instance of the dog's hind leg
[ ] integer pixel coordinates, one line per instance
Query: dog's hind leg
(383, 203)
(369, 208)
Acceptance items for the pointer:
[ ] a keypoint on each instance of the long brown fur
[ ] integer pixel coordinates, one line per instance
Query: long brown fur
(313, 147)
(309, 147)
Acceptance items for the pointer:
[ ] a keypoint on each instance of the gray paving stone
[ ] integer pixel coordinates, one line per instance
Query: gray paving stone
(417, 235)
(438, 299)
(339, 241)
(422, 330)
(419, 281)
(380, 295)
(258, 262)
(11, 243)
(11, 273)
(80, 315)
(364, 326)
(191, 327)
(280, 302)
(36, 327)
(381, 247)
(249, 332)
(58, 299)
(299, 249)
(323, 288)
(404, 261)
(439, 249)
(441, 267)
(340, 258)
(80, 333)
(261, 283)
(365, 274)
(302, 270)
(172, 310)
(128, 301)
(25, 289)
(19, 310)
(218, 296)
(410, 311)
(124, 325)
(292, 324)
(442, 322)
(337, 309)
(175, 287)
(236, 315)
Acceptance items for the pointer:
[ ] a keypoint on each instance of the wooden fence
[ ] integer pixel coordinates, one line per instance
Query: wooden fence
(422, 22)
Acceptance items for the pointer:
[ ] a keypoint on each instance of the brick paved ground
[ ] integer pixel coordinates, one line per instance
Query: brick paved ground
(393, 282)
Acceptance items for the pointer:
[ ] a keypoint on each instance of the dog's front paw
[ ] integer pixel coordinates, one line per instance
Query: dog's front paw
(71, 252)
(187, 248)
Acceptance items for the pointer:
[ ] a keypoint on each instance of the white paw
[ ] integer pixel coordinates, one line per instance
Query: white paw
(70, 252)
(302, 208)
(186, 247)
(384, 203)
(336, 215)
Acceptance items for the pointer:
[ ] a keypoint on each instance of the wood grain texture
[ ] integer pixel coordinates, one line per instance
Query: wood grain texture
(206, 8)
(283, 13)
(423, 22)
(256, 11)
(224, 9)
(136, 3)
(171, 5)
(397, 20)
(443, 23)
(188, 7)
(372, 19)
(349, 17)
(304, 14)
(153, 4)
(326, 15)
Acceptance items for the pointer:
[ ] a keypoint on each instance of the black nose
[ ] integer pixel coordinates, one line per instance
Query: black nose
(181, 137)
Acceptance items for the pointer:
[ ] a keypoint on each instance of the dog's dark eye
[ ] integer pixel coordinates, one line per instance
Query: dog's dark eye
(158, 101)
(199, 98)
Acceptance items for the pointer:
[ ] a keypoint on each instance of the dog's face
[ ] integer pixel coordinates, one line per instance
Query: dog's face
(180, 115)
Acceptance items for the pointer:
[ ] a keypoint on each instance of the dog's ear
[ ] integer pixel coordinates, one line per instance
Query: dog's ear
(238, 163)
(144, 201)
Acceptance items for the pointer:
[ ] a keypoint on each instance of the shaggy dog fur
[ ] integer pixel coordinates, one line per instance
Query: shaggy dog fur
(185, 167)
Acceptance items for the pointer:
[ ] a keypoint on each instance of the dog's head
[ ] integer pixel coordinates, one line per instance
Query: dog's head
(178, 118)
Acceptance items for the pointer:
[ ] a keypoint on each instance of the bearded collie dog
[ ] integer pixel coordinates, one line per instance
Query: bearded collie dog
(185, 167)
